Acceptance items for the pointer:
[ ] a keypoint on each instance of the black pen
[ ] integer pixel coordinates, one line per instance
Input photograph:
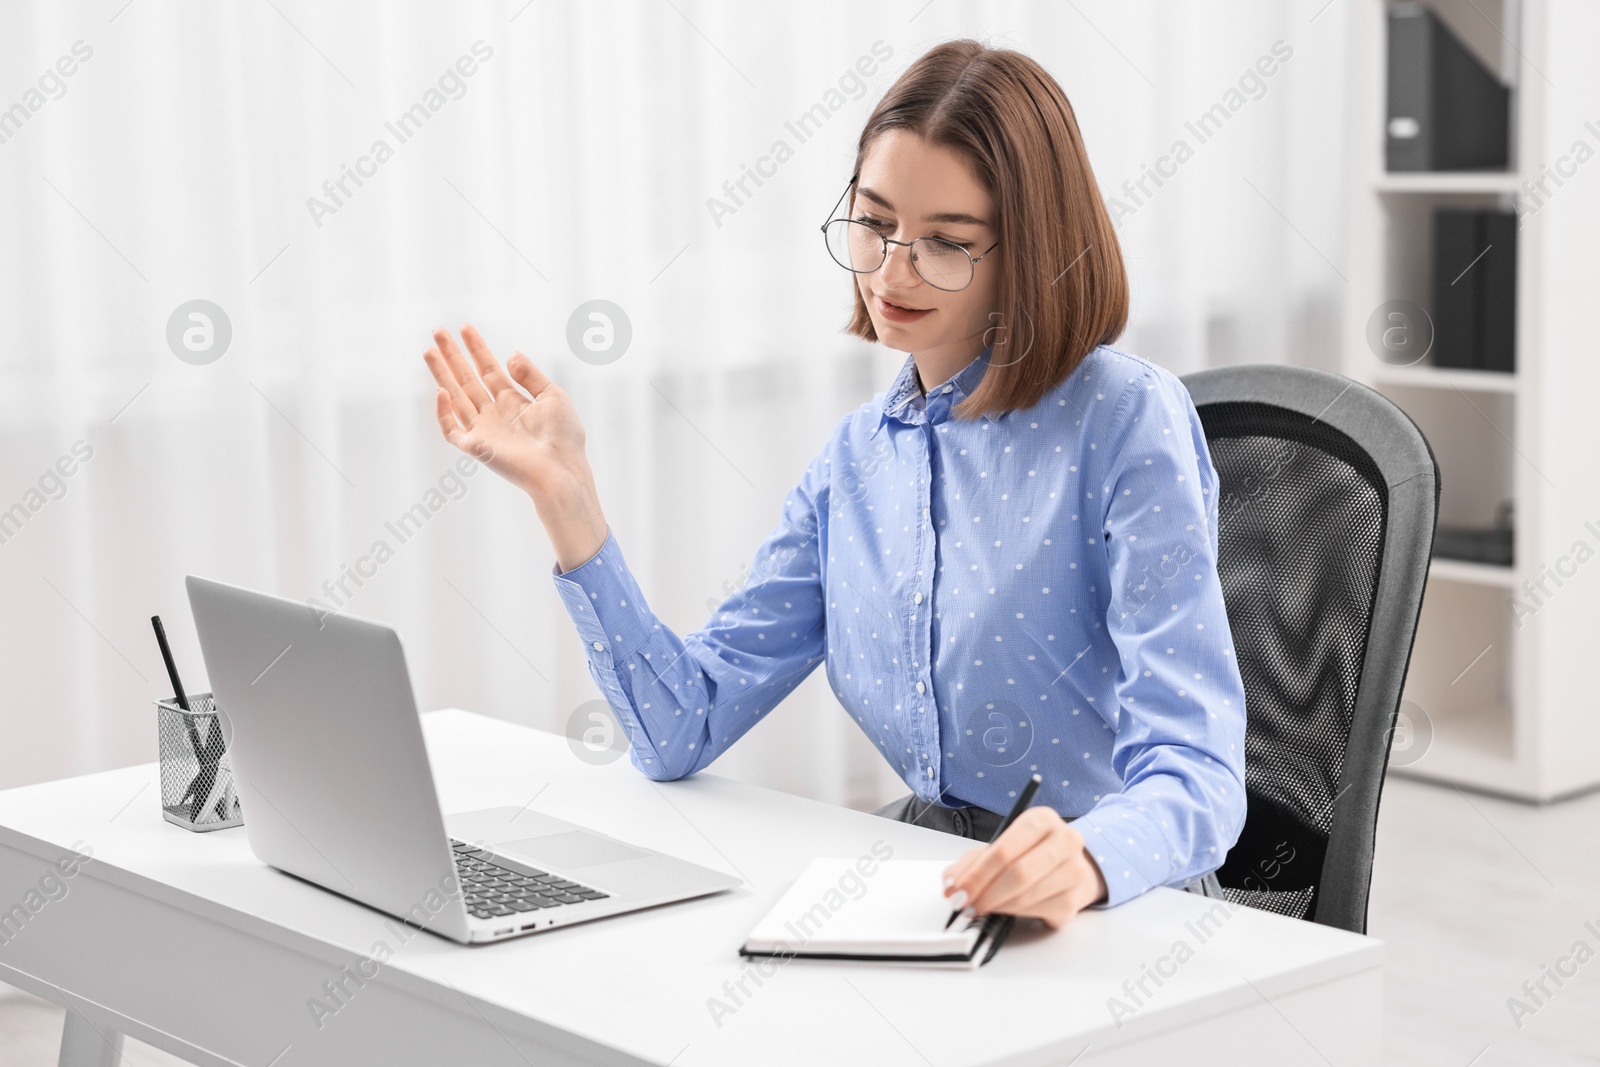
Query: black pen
(1023, 800)
(172, 668)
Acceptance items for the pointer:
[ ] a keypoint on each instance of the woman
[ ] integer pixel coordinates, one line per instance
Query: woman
(1007, 561)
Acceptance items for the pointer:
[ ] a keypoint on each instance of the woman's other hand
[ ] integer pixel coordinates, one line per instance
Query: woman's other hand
(533, 439)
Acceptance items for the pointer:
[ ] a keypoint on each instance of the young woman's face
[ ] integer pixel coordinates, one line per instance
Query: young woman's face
(909, 188)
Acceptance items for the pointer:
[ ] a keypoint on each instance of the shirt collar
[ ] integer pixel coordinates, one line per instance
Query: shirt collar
(905, 403)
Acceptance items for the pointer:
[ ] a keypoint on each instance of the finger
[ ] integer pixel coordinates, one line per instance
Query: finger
(1015, 879)
(960, 874)
(527, 375)
(999, 854)
(447, 417)
(464, 409)
(470, 382)
(494, 378)
(955, 874)
(1042, 872)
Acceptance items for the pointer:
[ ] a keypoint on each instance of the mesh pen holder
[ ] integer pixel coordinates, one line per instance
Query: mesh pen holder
(197, 790)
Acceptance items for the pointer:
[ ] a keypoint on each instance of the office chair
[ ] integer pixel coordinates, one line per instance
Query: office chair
(1327, 499)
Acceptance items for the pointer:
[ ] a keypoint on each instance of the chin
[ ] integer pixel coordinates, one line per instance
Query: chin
(893, 335)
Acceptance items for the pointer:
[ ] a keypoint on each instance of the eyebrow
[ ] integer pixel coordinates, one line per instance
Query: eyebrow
(953, 217)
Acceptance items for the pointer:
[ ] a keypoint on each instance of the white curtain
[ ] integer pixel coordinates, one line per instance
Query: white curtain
(184, 157)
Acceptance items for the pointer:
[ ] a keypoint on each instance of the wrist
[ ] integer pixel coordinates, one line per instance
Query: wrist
(573, 521)
(571, 556)
(1098, 892)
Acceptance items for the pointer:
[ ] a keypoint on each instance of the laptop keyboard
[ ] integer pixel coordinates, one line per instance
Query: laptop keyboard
(496, 886)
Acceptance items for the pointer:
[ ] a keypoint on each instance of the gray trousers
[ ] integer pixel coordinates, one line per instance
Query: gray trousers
(980, 825)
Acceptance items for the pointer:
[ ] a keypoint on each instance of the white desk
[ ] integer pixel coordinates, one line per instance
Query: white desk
(186, 942)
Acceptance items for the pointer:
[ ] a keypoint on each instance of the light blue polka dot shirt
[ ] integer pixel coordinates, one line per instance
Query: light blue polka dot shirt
(1030, 593)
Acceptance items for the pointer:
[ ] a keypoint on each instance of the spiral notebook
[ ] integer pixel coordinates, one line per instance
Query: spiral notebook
(837, 911)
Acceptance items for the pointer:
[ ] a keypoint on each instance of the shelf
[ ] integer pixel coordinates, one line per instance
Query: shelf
(1426, 377)
(1467, 181)
(1450, 762)
(1482, 729)
(1459, 570)
(1472, 745)
(1469, 742)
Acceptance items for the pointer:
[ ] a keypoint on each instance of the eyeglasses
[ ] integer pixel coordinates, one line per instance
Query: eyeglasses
(860, 249)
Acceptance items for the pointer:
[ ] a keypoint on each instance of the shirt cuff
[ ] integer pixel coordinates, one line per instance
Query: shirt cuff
(605, 604)
(1130, 849)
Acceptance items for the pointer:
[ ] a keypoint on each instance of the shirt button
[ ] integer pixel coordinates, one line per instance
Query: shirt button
(598, 647)
(921, 688)
(948, 388)
(930, 772)
(918, 598)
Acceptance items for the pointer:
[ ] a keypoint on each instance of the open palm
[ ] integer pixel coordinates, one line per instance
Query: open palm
(533, 439)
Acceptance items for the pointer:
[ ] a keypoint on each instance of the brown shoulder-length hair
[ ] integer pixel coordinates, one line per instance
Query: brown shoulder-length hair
(1063, 289)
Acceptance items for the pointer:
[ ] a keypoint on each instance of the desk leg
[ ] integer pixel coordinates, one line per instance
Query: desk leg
(84, 1046)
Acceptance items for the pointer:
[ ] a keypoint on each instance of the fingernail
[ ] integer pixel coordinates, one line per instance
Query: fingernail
(949, 880)
(958, 899)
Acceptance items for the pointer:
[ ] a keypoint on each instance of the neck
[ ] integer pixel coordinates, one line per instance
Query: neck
(943, 362)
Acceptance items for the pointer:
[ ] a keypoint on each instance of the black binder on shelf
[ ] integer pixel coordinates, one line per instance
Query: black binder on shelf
(1455, 311)
(1472, 544)
(1446, 110)
(1494, 545)
(1498, 293)
(1474, 289)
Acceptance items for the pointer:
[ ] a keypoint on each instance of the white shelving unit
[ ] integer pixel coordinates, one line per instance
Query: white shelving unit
(1458, 182)
(1505, 663)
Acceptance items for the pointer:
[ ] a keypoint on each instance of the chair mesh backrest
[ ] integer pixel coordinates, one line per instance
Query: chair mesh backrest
(1302, 510)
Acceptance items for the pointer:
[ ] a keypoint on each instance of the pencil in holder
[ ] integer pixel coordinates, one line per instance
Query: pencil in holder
(197, 788)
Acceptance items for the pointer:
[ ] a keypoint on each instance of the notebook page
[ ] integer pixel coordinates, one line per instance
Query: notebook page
(897, 910)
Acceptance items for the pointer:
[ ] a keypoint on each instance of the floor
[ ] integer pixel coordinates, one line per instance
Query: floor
(1472, 896)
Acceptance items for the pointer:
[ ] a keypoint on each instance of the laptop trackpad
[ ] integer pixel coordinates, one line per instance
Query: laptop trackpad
(569, 850)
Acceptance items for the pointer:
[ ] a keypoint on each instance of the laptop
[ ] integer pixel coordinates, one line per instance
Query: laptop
(333, 777)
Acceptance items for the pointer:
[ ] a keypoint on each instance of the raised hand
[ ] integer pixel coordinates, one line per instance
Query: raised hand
(533, 439)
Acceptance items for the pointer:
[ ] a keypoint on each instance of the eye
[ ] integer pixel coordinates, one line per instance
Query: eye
(870, 221)
(947, 248)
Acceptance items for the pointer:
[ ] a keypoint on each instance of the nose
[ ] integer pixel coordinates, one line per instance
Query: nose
(898, 272)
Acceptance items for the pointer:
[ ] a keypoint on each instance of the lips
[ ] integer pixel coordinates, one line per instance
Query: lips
(900, 313)
(902, 307)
